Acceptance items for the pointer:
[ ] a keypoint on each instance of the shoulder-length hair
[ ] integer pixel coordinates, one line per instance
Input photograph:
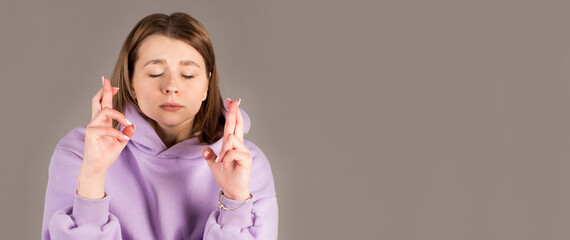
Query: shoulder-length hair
(209, 121)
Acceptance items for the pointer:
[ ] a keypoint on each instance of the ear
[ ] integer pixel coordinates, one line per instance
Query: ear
(205, 94)
(133, 92)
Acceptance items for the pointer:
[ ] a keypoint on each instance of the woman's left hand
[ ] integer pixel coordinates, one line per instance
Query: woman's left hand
(232, 168)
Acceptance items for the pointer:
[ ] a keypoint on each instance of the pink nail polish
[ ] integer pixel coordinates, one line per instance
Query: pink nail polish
(239, 101)
(103, 80)
(116, 88)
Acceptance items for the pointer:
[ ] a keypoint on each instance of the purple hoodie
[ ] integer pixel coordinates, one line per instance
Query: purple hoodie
(154, 192)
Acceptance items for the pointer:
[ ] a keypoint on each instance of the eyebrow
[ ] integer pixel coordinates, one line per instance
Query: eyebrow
(182, 62)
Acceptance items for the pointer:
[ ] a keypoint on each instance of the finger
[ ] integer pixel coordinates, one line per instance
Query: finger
(129, 130)
(230, 126)
(106, 131)
(107, 94)
(96, 103)
(208, 155)
(239, 123)
(107, 115)
(226, 128)
(228, 102)
(226, 145)
(235, 157)
(232, 142)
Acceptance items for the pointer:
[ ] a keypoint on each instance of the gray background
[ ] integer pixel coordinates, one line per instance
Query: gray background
(442, 119)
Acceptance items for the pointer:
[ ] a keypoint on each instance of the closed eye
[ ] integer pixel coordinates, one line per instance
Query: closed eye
(158, 75)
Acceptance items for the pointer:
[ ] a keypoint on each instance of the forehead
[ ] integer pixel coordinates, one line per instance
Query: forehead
(158, 46)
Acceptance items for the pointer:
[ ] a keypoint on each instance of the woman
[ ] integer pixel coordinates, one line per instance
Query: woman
(163, 157)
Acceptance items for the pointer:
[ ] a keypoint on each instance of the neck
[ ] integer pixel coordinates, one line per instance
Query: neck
(171, 135)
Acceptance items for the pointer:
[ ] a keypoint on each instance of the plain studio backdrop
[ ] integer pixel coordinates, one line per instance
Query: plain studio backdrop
(444, 119)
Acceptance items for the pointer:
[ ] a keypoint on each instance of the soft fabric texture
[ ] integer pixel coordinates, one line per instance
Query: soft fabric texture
(154, 192)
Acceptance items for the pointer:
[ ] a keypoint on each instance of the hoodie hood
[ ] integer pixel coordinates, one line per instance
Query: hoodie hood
(147, 140)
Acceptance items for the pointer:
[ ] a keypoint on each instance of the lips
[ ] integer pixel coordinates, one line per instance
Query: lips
(171, 107)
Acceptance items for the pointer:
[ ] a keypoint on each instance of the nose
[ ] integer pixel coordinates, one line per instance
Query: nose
(171, 89)
(169, 85)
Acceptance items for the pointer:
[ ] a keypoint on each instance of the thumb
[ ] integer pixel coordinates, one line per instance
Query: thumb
(209, 155)
(129, 131)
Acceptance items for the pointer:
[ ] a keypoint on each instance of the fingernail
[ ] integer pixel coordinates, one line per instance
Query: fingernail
(128, 122)
(103, 80)
(239, 101)
(206, 153)
(126, 137)
(217, 159)
(228, 99)
(116, 88)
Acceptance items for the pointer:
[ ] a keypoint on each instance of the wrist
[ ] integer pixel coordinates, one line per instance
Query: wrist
(223, 202)
(91, 185)
(92, 169)
(236, 196)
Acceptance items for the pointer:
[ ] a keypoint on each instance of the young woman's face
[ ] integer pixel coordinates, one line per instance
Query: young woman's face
(169, 71)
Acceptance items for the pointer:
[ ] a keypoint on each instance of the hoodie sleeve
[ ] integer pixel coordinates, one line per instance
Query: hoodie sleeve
(258, 218)
(66, 214)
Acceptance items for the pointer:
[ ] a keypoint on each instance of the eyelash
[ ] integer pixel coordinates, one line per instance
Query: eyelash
(158, 75)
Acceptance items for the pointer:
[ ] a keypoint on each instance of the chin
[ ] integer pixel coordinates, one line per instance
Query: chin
(170, 119)
(170, 122)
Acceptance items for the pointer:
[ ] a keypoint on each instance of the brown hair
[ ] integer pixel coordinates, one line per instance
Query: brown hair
(209, 121)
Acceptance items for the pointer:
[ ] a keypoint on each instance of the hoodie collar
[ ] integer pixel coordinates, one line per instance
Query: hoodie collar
(148, 141)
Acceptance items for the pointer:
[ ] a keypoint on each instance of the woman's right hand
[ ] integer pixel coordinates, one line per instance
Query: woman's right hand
(103, 143)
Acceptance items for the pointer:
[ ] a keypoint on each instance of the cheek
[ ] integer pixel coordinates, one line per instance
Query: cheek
(145, 97)
(195, 95)
(144, 87)
(196, 90)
